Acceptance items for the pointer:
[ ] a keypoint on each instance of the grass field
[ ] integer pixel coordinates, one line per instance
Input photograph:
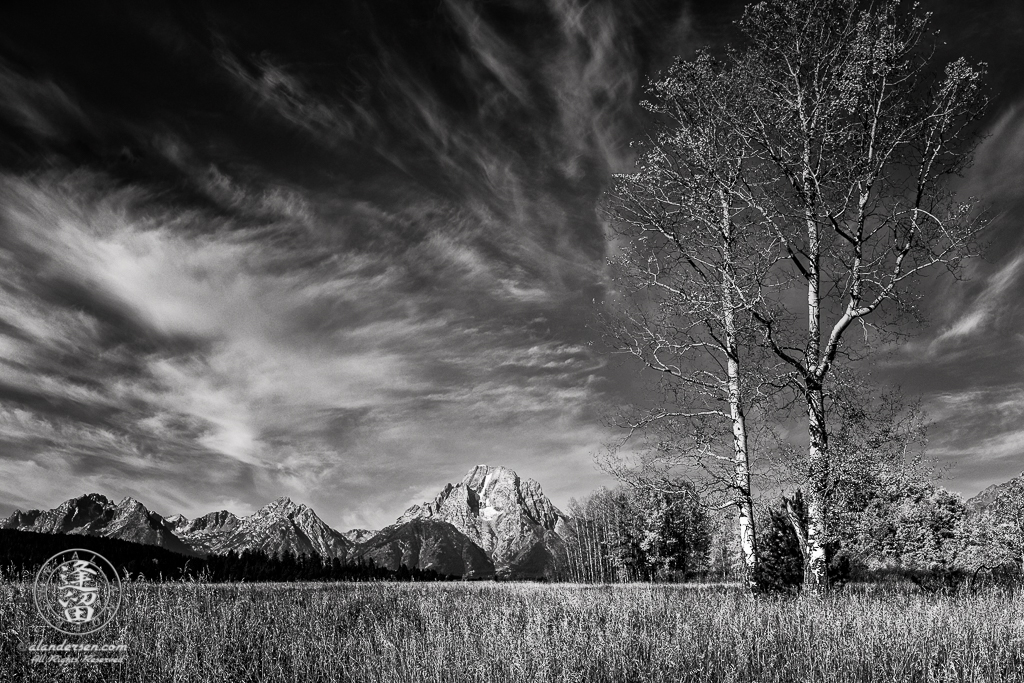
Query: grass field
(527, 632)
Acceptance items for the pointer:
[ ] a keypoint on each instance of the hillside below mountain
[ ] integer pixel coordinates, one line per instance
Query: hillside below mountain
(22, 553)
(427, 544)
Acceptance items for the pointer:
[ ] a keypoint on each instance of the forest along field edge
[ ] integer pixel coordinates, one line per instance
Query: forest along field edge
(898, 526)
(500, 632)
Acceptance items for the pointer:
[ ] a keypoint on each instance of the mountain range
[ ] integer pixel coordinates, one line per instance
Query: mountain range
(492, 523)
(989, 495)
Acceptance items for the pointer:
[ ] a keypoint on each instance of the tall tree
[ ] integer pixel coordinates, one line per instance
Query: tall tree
(879, 441)
(833, 137)
(1008, 512)
(689, 261)
(860, 133)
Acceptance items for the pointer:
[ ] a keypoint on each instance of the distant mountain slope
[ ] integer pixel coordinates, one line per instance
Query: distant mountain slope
(491, 522)
(428, 544)
(988, 496)
(203, 533)
(95, 515)
(509, 517)
(278, 527)
(358, 536)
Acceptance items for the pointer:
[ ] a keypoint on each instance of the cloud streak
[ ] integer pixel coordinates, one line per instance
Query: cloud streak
(985, 306)
(275, 360)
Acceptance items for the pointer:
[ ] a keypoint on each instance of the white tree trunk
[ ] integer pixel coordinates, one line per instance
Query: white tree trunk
(741, 452)
(815, 564)
(741, 464)
(816, 567)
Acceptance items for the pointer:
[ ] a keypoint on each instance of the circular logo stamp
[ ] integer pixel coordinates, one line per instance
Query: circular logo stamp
(77, 591)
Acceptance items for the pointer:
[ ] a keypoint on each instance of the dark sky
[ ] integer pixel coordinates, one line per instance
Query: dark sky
(345, 251)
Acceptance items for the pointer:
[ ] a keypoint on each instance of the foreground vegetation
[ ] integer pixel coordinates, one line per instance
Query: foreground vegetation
(371, 632)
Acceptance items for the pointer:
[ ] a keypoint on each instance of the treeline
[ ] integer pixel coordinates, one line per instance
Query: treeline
(889, 525)
(908, 529)
(252, 565)
(22, 553)
(639, 534)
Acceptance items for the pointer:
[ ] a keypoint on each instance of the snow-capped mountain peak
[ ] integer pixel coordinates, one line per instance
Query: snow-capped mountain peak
(175, 521)
(503, 514)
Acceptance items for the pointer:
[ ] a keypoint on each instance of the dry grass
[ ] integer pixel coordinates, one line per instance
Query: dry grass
(525, 632)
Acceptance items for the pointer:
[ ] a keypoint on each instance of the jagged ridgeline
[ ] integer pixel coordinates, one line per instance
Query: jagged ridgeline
(491, 524)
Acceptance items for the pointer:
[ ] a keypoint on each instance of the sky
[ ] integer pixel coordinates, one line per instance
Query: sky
(343, 252)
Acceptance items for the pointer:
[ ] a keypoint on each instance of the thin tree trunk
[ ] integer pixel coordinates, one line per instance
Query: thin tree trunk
(589, 551)
(741, 454)
(816, 567)
(800, 528)
(580, 566)
(577, 558)
(741, 465)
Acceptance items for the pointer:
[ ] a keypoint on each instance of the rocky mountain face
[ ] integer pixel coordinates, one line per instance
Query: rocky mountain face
(358, 536)
(21, 520)
(95, 515)
(508, 517)
(427, 544)
(277, 527)
(203, 533)
(280, 526)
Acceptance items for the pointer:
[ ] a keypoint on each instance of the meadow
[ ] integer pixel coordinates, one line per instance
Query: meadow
(495, 632)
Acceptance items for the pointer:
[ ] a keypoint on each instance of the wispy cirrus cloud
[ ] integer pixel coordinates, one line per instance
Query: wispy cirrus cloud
(272, 360)
(985, 307)
(282, 92)
(40, 106)
(999, 160)
(977, 431)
